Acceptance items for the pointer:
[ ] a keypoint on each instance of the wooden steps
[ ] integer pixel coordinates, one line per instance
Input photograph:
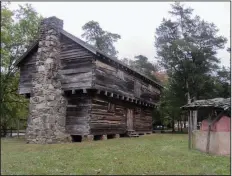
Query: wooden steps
(132, 133)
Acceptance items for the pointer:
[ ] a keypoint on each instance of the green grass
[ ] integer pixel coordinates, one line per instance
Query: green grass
(152, 154)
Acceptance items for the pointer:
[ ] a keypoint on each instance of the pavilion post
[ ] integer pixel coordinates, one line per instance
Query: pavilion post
(195, 120)
(208, 134)
(190, 129)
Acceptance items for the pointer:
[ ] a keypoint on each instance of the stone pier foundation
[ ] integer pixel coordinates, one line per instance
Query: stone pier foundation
(116, 136)
(87, 138)
(104, 137)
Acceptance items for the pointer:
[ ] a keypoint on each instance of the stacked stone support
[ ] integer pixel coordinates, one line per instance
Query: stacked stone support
(47, 111)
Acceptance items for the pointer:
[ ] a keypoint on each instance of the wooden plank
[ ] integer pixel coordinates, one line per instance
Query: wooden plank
(208, 134)
(70, 64)
(77, 85)
(195, 120)
(103, 65)
(76, 71)
(114, 90)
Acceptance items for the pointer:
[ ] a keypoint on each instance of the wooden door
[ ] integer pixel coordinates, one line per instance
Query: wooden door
(130, 118)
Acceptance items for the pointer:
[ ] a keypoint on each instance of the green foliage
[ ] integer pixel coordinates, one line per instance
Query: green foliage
(18, 29)
(102, 40)
(142, 65)
(187, 47)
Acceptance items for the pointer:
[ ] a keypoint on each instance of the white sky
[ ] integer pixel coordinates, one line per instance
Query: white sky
(134, 21)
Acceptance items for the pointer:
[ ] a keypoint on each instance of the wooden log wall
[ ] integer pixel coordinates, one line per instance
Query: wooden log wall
(76, 67)
(27, 71)
(112, 79)
(78, 114)
(104, 121)
(76, 64)
(143, 120)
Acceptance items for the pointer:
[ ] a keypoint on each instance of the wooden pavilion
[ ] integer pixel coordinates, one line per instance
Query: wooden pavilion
(214, 134)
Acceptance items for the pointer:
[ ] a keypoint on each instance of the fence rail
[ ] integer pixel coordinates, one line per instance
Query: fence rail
(12, 132)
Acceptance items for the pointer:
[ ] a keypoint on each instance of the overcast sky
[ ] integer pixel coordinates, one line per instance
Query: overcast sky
(134, 21)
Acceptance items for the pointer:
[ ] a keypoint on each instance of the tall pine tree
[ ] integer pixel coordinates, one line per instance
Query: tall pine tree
(187, 47)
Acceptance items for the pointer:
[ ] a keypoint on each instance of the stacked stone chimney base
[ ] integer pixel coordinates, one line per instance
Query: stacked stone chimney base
(47, 111)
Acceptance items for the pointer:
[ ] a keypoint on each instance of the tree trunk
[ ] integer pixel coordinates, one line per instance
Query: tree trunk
(188, 94)
(178, 124)
(173, 124)
(18, 129)
(11, 132)
(3, 129)
(181, 124)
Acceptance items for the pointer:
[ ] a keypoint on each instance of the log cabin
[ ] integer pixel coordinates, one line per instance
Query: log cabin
(77, 92)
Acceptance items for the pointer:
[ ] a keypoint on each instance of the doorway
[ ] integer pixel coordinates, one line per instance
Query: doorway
(130, 119)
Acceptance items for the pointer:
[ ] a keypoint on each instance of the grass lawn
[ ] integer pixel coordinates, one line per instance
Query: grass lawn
(151, 154)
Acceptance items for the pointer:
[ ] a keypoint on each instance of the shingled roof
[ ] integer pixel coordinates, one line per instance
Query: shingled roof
(220, 103)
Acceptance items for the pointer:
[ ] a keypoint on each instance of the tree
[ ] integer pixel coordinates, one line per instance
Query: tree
(188, 46)
(127, 61)
(142, 65)
(102, 40)
(18, 29)
(172, 98)
(222, 82)
(162, 77)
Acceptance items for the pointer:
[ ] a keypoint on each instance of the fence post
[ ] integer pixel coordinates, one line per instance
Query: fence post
(11, 131)
(18, 128)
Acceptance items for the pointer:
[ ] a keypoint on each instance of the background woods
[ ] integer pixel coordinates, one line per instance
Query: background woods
(186, 48)
(18, 29)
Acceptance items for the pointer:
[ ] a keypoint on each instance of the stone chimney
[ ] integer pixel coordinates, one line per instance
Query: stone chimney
(47, 111)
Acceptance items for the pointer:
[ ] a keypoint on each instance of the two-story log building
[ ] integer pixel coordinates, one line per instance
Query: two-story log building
(78, 92)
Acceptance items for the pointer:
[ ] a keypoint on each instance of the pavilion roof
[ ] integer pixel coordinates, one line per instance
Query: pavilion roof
(219, 103)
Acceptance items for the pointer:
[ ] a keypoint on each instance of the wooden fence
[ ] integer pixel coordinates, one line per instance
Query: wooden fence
(13, 132)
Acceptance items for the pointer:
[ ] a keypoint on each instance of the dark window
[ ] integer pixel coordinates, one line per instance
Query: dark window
(111, 107)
